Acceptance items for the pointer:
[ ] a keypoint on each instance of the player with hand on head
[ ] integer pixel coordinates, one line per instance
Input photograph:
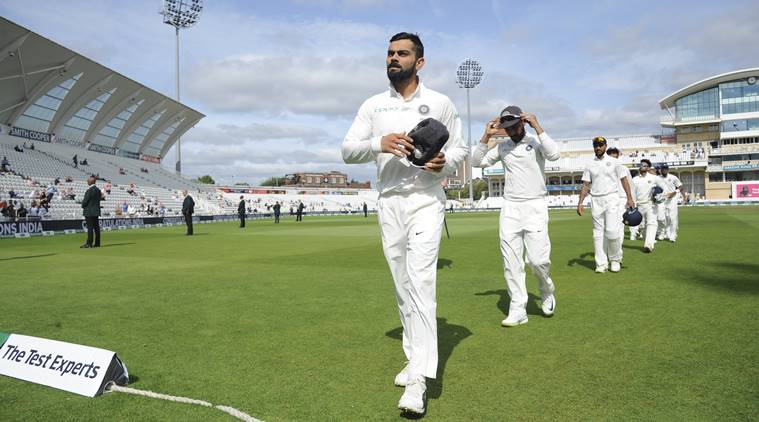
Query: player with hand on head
(600, 178)
(523, 222)
(411, 203)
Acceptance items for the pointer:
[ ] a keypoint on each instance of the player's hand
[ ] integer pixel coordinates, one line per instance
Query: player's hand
(531, 120)
(580, 209)
(436, 164)
(491, 128)
(398, 144)
(630, 203)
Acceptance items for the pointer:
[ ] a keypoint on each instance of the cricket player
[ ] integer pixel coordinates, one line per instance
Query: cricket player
(523, 223)
(614, 152)
(600, 178)
(411, 203)
(671, 221)
(642, 184)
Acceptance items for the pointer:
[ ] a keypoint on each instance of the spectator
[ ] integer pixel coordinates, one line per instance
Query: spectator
(107, 188)
(84, 162)
(9, 211)
(12, 194)
(31, 146)
(57, 181)
(21, 212)
(122, 171)
(5, 165)
(17, 149)
(70, 194)
(75, 159)
(69, 179)
(51, 190)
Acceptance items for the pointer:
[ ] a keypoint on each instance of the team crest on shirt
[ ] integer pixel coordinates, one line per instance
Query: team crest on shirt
(529, 148)
(424, 109)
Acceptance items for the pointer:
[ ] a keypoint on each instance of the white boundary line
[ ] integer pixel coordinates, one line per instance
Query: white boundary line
(226, 409)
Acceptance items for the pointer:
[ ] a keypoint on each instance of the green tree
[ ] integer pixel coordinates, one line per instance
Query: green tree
(274, 181)
(206, 180)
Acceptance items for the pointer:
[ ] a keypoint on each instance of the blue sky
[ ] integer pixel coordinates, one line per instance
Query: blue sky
(281, 81)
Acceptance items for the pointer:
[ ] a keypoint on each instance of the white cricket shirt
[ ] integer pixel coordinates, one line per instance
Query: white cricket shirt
(389, 112)
(523, 164)
(642, 185)
(604, 175)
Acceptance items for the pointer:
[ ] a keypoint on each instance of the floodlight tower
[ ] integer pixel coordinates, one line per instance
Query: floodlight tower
(468, 75)
(180, 14)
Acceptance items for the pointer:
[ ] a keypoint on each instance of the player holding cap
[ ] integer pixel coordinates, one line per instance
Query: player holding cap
(600, 178)
(614, 152)
(643, 184)
(524, 215)
(411, 202)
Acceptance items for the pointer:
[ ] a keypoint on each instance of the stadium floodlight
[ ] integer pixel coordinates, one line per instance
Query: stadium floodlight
(180, 14)
(468, 75)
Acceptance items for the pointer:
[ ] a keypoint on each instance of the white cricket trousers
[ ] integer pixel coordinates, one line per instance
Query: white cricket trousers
(671, 219)
(649, 223)
(411, 225)
(524, 225)
(607, 218)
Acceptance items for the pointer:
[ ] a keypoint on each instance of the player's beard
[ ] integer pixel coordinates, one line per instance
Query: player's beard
(401, 75)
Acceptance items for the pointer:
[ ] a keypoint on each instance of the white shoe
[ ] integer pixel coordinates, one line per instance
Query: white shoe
(402, 378)
(412, 399)
(515, 318)
(633, 238)
(601, 269)
(549, 305)
(615, 266)
(648, 249)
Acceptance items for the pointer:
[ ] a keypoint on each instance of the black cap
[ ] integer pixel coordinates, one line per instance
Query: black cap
(509, 117)
(664, 166)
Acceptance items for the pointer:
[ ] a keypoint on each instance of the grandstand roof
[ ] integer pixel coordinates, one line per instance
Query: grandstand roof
(46, 87)
(669, 101)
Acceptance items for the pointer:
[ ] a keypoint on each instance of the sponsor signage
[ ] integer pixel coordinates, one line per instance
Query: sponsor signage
(552, 188)
(77, 144)
(129, 154)
(747, 166)
(151, 158)
(743, 191)
(102, 148)
(29, 134)
(72, 367)
(493, 171)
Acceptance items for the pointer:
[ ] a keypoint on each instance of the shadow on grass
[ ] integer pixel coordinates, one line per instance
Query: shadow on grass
(444, 263)
(448, 337)
(584, 262)
(27, 257)
(504, 301)
(636, 247)
(735, 277)
(117, 244)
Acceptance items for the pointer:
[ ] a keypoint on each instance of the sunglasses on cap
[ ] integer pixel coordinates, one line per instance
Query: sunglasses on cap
(508, 118)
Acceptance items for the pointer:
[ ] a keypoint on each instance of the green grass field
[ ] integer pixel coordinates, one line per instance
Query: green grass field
(298, 322)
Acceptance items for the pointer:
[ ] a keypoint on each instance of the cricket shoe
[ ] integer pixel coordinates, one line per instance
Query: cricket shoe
(402, 378)
(648, 248)
(515, 318)
(549, 305)
(600, 269)
(615, 266)
(412, 400)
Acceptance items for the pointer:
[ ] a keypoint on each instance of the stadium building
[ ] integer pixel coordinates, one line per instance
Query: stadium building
(719, 115)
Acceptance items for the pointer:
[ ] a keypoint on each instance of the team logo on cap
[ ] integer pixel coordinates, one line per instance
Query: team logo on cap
(424, 109)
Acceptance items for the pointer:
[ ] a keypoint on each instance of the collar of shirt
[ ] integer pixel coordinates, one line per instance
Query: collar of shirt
(396, 94)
